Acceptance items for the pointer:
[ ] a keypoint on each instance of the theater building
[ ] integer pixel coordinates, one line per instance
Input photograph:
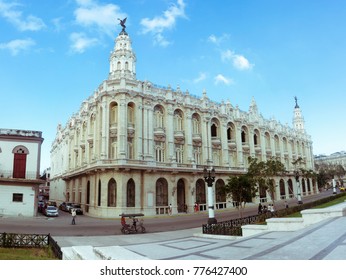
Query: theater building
(134, 146)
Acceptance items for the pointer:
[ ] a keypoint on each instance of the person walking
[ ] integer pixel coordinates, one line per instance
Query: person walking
(170, 209)
(260, 208)
(73, 214)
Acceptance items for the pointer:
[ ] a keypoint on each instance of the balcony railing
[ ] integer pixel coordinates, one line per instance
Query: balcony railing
(8, 174)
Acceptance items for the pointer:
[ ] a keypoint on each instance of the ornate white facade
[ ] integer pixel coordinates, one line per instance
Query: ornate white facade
(137, 147)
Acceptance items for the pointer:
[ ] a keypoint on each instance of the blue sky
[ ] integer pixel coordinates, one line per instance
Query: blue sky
(54, 54)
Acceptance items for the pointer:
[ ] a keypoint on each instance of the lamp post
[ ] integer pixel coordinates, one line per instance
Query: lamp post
(299, 196)
(209, 178)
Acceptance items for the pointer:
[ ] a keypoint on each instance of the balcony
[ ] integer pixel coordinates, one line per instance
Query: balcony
(246, 146)
(32, 176)
(90, 138)
(179, 135)
(159, 132)
(113, 129)
(232, 144)
(197, 138)
(216, 141)
(130, 129)
(258, 148)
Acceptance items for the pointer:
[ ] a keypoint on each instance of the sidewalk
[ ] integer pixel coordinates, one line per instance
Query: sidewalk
(325, 240)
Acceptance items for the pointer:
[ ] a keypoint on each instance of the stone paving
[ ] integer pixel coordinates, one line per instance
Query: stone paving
(325, 240)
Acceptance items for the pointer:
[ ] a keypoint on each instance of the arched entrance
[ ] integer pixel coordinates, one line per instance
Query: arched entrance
(290, 188)
(181, 203)
(220, 195)
(282, 190)
(201, 195)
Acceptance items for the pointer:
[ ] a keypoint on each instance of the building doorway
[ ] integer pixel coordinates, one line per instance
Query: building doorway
(181, 203)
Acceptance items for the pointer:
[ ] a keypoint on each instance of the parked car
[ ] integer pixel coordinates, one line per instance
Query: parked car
(51, 211)
(65, 206)
(51, 203)
(77, 207)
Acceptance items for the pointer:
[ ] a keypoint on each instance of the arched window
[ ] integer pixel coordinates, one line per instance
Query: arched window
(179, 153)
(113, 113)
(19, 162)
(213, 130)
(200, 192)
(159, 117)
(112, 193)
(99, 194)
(161, 192)
(131, 194)
(178, 120)
(160, 151)
(196, 129)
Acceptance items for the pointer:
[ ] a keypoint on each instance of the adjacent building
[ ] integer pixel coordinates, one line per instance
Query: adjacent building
(20, 156)
(134, 146)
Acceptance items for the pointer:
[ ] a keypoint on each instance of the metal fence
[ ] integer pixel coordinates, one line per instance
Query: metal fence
(18, 240)
(233, 227)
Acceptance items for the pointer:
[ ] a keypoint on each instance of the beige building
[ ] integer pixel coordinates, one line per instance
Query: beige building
(138, 147)
(20, 157)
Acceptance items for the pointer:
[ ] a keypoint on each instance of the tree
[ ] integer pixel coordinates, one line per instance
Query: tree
(263, 174)
(327, 172)
(241, 189)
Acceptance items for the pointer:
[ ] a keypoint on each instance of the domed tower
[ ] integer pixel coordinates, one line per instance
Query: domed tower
(122, 59)
(298, 120)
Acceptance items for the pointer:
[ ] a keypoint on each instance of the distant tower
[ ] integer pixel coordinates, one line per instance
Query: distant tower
(298, 120)
(122, 59)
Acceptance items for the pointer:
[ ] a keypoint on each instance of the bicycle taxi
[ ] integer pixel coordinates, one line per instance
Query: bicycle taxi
(135, 227)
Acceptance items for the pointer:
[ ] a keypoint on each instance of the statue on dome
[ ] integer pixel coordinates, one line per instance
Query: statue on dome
(122, 23)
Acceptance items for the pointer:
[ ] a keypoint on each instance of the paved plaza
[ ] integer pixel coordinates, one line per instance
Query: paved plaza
(325, 240)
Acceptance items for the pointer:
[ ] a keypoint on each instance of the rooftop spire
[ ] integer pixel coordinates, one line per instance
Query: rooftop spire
(296, 99)
(122, 23)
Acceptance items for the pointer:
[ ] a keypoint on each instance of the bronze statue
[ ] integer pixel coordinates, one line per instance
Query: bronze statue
(122, 23)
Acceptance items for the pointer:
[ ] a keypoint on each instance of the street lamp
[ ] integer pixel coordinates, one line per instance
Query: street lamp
(299, 197)
(209, 178)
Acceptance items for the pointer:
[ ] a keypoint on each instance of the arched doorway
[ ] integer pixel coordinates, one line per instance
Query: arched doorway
(112, 193)
(201, 198)
(282, 190)
(290, 188)
(87, 197)
(130, 193)
(220, 194)
(181, 203)
(303, 187)
(161, 196)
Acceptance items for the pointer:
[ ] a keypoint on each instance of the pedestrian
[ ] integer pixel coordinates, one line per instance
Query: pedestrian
(286, 204)
(170, 209)
(73, 213)
(260, 208)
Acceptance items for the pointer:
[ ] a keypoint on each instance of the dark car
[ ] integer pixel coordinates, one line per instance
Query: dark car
(77, 207)
(65, 206)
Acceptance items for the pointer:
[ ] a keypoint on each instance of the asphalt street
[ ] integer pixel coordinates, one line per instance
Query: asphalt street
(89, 226)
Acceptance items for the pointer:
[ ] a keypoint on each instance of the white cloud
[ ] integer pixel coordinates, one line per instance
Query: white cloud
(80, 42)
(159, 24)
(15, 46)
(239, 61)
(200, 78)
(10, 12)
(217, 40)
(103, 16)
(221, 79)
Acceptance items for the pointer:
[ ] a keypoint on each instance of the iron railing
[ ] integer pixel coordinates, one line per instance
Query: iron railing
(233, 227)
(19, 240)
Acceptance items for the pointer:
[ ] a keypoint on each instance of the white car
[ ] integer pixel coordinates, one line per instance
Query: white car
(51, 211)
